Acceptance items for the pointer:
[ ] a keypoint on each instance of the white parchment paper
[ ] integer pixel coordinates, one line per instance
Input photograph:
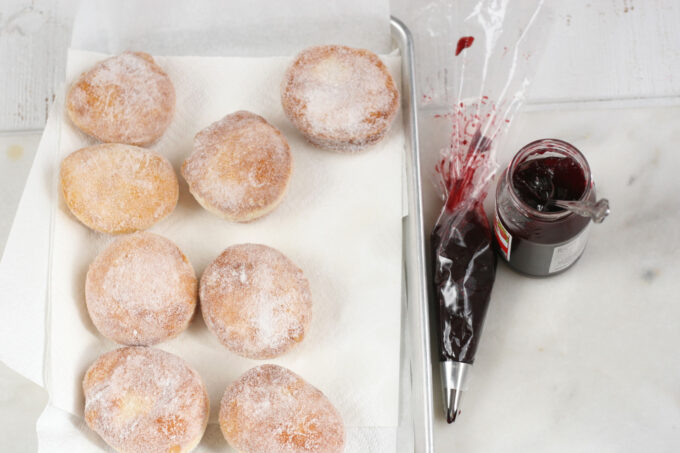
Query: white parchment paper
(340, 222)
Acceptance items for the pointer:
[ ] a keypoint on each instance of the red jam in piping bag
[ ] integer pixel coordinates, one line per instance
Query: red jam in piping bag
(464, 273)
(464, 262)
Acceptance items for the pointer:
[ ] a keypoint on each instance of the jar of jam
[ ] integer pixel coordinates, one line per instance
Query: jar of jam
(532, 235)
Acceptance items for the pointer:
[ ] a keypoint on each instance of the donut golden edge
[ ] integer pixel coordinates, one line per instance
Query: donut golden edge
(240, 167)
(308, 81)
(104, 187)
(130, 422)
(125, 98)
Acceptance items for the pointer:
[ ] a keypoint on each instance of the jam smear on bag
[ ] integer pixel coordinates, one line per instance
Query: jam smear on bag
(464, 43)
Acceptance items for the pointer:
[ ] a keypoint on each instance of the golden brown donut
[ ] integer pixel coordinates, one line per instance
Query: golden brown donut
(239, 168)
(145, 400)
(114, 188)
(123, 99)
(141, 290)
(270, 409)
(256, 301)
(340, 98)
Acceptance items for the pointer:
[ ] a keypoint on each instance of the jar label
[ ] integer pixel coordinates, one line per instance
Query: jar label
(503, 237)
(565, 255)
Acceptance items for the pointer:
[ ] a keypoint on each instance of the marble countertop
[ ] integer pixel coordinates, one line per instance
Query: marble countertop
(584, 361)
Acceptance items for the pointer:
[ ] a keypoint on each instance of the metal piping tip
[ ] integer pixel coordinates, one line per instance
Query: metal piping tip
(453, 405)
(454, 383)
(450, 417)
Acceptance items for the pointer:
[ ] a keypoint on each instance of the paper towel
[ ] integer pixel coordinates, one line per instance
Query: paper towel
(61, 432)
(340, 222)
(23, 268)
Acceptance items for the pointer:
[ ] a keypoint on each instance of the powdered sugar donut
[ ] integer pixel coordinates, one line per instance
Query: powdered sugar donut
(271, 409)
(141, 290)
(123, 99)
(116, 188)
(239, 168)
(340, 98)
(256, 301)
(144, 399)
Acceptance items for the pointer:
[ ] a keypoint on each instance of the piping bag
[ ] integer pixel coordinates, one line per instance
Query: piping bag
(476, 59)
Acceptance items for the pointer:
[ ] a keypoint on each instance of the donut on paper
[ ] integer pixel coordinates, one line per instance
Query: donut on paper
(114, 188)
(340, 98)
(239, 168)
(256, 301)
(123, 99)
(145, 400)
(141, 290)
(271, 409)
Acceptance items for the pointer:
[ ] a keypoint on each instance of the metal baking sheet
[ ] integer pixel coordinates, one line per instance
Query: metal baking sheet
(416, 405)
(416, 402)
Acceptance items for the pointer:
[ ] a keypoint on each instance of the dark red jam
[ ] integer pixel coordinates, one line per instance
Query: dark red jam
(464, 273)
(534, 237)
(464, 43)
(537, 181)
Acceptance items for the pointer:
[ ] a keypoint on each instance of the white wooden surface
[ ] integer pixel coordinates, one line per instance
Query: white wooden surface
(601, 50)
(611, 49)
(34, 36)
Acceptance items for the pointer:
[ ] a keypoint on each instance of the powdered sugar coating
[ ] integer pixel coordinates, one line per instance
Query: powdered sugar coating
(240, 167)
(115, 188)
(141, 290)
(145, 400)
(123, 99)
(256, 301)
(270, 409)
(340, 98)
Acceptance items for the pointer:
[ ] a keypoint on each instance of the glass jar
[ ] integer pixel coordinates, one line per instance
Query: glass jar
(535, 240)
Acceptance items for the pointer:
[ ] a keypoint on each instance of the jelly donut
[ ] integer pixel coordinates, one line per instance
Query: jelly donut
(114, 188)
(271, 409)
(256, 301)
(123, 99)
(144, 399)
(340, 98)
(141, 290)
(239, 168)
